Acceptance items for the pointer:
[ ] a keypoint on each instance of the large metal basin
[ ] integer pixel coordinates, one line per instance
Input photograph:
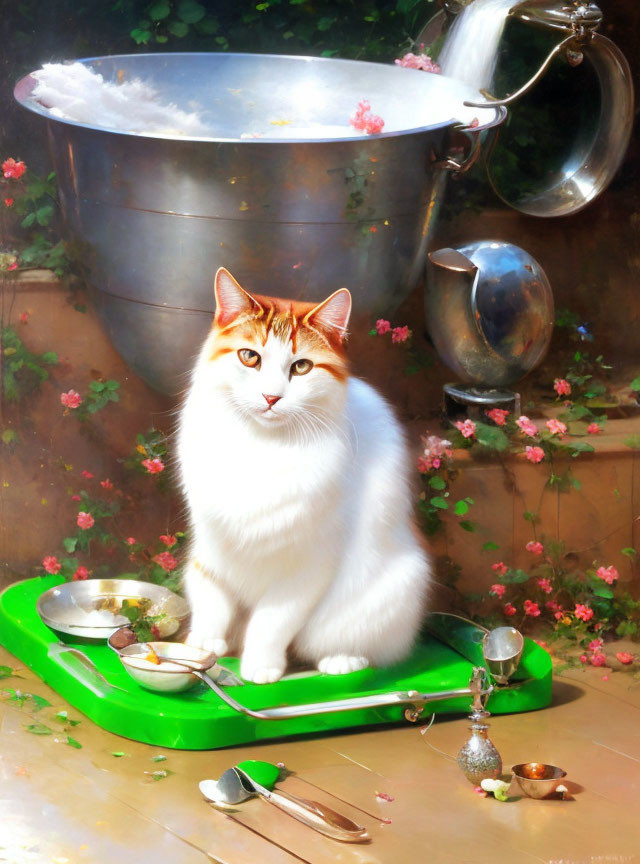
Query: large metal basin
(156, 215)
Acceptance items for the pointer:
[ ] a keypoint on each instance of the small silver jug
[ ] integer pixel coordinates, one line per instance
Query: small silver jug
(489, 311)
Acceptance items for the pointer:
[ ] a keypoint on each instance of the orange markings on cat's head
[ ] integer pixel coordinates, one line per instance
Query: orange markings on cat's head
(318, 329)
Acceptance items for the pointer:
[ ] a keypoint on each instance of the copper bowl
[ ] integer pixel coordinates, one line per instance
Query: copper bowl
(538, 780)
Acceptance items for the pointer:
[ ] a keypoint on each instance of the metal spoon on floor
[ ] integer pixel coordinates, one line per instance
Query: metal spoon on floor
(235, 786)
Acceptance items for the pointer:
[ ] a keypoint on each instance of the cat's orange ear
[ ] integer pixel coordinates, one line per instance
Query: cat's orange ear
(232, 300)
(331, 317)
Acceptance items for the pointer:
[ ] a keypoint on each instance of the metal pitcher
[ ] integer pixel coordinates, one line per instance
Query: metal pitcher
(578, 170)
(489, 311)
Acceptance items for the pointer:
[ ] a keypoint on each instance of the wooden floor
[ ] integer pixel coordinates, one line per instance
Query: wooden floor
(62, 805)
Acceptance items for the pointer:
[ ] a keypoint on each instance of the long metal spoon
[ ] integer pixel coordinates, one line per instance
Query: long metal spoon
(235, 786)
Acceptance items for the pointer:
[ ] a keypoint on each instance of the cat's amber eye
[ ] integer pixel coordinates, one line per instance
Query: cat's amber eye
(249, 358)
(301, 367)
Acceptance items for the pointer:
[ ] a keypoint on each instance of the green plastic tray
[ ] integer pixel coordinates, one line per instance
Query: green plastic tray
(199, 720)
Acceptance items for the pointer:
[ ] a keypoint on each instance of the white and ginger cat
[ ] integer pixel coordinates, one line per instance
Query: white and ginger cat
(296, 478)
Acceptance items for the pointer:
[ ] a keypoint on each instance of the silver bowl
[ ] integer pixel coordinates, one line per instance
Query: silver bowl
(165, 677)
(301, 216)
(71, 607)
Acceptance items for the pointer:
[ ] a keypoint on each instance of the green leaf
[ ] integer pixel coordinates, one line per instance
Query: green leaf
(178, 28)
(439, 503)
(73, 743)
(461, 508)
(489, 546)
(161, 39)
(190, 11)
(44, 215)
(491, 436)
(208, 26)
(28, 220)
(629, 552)
(63, 717)
(633, 442)
(158, 775)
(531, 517)
(437, 483)
(97, 386)
(6, 672)
(514, 577)
(159, 758)
(39, 702)
(602, 590)
(577, 447)
(635, 384)
(406, 6)
(9, 436)
(70, 544)
(468, 526)
(39, 729)
(159, 10)
(118, 753)
(140, 37)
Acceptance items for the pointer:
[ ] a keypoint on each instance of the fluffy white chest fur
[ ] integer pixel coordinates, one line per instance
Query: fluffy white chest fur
(301, 515)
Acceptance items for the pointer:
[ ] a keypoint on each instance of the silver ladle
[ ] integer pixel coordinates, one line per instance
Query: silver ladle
(235, 786)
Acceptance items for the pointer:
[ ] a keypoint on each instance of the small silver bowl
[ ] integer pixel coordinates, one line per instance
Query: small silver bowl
(165, 677)
(538, 780)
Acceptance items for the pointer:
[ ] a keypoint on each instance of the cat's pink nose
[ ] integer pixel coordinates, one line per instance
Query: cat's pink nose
(271, 400)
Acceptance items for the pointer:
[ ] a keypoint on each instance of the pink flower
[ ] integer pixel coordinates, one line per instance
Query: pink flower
(466, 428)
(498, 416)
(593, 429)
(106, 484)
(562, 387)
(418, 61)
(153, 466)
(531, 608)
(434, 450)
(166, 561)
(500, 568)
(382, 326)
(168, 539)
(534, 547)
(510, 609)
(624, 657)
(364, 120)
(598, 659)
(13, 169)
(88, 475)
(81, 573)
(71, 399)
(584, 658)
(553, 606)
(130, 541)
(497, 590)
(85, 520)
(527, 426)
(400, 334)
(24, 317)
(559, 615)
(556, 427)
(51, 564)
(583, 612)
(13, 266)
(8, 202)
(534, 454)
(545, 585)
(595, 645)
(608, 574)
(76, 498)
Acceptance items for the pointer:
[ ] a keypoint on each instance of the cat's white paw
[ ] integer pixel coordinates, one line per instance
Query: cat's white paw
(208, 643)
(340, 664)
(259, 674)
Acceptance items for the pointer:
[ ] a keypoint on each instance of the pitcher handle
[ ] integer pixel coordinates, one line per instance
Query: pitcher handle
(588, 172)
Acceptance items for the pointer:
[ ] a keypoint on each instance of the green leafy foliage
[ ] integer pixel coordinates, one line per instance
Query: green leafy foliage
(39, 729)
(22, 371)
